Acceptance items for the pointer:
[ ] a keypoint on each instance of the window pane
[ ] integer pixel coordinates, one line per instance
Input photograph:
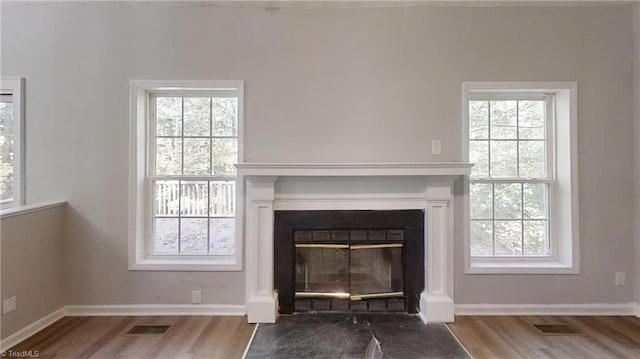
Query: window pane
(504, 159)
(536, 241)
(535, 200)
(508, 200)
(223, 198)
(504, 119)
(167, 195)
(478, 119)
(223, 231)
(165, 236)
(197, 116)
(481, 200)
(225, 155)
(531, 119)
(532, 159)
(169, 116)
(197, 154)
(225, 116)
(481, 238)
(508, 238)
(168, 156)
(194, 199)
(7, 151)
(479, 154)
(193, 236)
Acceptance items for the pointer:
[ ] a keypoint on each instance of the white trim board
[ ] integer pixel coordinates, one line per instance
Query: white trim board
(31, 329)
(548, 309)
(154, 309)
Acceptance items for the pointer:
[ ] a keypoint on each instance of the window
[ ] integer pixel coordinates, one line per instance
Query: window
(520, 188)
(11, 142)
(189, 203)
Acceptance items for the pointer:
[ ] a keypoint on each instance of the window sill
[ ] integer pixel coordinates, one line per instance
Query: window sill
(187, 264)
(20, 210)
(521, 266)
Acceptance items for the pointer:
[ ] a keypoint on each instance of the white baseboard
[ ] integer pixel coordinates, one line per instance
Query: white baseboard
(31, 329)
(638, 310)
(154, 309)
(548, 309)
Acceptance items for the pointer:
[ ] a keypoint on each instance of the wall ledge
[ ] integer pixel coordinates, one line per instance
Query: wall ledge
(17, 211)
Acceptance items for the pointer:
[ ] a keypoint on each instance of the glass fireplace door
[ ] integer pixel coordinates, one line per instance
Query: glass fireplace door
(322, 271)
(375, 271)
(348, 271)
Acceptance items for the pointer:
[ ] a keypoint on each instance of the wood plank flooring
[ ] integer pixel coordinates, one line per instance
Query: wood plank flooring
(515, 337)
(227, 337)
(190, 337)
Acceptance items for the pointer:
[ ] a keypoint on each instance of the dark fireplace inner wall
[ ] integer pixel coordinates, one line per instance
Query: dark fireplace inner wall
(394, 226)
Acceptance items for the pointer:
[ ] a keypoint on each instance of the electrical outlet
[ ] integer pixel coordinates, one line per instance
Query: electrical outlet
(8, 305)
(196, 297)
(436, 147)
(621, 278)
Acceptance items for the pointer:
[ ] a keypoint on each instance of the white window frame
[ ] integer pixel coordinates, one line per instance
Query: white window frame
(140, 236)
(562, 137)
(14, 86)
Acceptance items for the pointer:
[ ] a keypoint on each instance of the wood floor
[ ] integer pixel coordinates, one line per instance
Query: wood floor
(227, 338)
(103, 337)
(515, 337)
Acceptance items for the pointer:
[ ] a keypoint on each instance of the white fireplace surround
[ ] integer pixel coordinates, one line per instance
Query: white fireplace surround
(350, 186)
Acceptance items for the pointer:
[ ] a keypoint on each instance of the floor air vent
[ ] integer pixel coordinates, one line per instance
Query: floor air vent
(557, 329)
(152, 330)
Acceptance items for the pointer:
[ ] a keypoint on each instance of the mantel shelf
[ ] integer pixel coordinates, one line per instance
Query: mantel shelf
(355, 169)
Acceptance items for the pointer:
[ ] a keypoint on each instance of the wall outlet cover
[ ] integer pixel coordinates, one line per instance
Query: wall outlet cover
(621, 278)
(9, 305)
(196, 297)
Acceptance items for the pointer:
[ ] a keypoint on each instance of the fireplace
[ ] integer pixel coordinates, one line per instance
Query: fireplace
(349, 260)
(270, 189)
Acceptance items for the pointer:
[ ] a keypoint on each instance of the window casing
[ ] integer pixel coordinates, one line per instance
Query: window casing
(520, 137)
(186, 204)
(11, 142)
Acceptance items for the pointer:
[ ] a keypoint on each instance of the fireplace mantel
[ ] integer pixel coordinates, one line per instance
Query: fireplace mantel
(260, 193)
(354, 169)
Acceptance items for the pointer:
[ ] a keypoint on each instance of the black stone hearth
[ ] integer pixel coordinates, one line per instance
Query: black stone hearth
(405, 227)
(357, 336)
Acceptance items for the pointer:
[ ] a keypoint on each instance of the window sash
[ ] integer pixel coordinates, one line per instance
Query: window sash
(152, 177)
(549, 179)
(549, 217)
(549, 111)
(152, 215)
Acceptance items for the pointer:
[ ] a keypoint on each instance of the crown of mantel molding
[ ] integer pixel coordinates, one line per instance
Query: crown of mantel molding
(355, 169)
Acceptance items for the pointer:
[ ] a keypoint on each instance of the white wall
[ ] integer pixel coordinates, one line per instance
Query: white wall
(323, 85)
(32, 266)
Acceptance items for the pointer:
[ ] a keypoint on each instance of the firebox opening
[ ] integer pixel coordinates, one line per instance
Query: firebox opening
(349, 260)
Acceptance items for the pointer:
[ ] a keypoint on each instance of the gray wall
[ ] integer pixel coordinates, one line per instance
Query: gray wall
(636, 97)
(323, 85)
(32, 266)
